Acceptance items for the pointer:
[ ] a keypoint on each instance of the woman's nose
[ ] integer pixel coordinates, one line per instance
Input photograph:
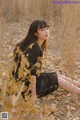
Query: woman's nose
(47, 31)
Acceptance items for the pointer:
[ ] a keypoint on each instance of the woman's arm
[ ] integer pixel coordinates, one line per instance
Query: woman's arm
(34, 56)
(33, 88)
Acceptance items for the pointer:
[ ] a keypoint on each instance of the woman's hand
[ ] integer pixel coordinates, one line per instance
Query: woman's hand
(34, 99)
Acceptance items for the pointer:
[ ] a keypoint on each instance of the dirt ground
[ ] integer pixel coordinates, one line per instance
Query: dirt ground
(60, 105)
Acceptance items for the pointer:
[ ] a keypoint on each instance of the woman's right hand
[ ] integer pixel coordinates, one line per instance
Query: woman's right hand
(35, 100)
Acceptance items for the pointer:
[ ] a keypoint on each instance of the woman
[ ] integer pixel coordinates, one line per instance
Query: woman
(28, 56)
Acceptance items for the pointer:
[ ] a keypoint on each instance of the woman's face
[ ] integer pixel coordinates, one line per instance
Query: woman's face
(43, 33)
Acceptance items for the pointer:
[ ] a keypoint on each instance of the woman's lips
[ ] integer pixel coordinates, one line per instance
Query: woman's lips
(46, 35)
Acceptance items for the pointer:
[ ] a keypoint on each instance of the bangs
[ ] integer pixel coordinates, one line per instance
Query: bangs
(43, 24)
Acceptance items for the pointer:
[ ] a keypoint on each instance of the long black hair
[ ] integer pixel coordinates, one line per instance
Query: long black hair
(31, 37)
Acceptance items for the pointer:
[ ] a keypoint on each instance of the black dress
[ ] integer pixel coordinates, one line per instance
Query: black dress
(28, 63)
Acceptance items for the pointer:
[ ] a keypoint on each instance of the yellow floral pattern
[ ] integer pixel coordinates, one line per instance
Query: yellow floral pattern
(27, 63)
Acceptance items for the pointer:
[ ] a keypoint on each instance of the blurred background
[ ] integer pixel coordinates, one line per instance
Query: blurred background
(62, 55)
(64, 20)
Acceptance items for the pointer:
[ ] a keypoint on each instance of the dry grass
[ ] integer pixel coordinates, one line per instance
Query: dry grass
(12, 9)
(44, 9)
(70, 24)
(66, 16)
(1, 27)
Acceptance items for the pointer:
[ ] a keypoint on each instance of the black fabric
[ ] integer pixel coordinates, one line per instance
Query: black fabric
(33, 53)
(46, 83)
(27, 63)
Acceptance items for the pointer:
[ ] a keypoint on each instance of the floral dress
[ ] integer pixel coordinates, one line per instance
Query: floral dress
(27, 63)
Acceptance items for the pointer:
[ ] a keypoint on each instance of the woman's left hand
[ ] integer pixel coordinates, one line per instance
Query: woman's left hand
(34, 100)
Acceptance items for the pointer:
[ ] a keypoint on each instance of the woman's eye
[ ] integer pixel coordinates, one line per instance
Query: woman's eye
(42, 29)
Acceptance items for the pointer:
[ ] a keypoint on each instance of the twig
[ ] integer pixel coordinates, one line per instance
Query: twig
(76, 113)
(5, 89)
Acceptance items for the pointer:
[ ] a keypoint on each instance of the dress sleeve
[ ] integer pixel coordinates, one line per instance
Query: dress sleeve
(34, 55)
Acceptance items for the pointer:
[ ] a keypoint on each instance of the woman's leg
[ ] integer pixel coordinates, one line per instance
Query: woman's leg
(66, 85)
(70, 80)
